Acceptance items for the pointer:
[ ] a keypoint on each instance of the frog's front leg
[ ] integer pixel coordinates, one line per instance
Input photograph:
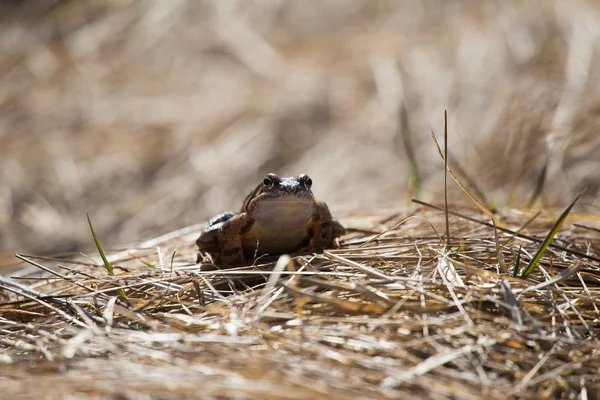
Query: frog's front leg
(223, 240)
(324, 229)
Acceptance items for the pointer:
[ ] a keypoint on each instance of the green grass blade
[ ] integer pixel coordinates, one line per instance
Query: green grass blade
(109, 268)
(517, 262)
(99, 247)
(536, 258)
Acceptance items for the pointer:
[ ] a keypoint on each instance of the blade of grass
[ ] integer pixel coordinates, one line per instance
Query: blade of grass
(107, 265)
(446, 177)
(99, 247)
(517, 262)
(555, 228)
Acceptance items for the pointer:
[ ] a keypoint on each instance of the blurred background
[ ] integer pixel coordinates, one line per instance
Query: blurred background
(153, 115)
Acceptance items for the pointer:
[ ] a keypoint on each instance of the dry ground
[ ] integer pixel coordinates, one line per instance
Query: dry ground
(391, 314)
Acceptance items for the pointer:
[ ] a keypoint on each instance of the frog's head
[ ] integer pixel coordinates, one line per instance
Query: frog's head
(281, 194)
(275, 187)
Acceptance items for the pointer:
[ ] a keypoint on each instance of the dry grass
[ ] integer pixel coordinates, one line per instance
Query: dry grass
(392, 313)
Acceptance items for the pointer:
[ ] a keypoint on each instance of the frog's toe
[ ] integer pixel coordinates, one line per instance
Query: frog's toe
(205, 256)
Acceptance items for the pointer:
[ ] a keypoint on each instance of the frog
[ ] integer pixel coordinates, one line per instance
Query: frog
(280, 216)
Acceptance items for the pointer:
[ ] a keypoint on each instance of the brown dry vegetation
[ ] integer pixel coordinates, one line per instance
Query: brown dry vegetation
(155, 115)
(386, 316)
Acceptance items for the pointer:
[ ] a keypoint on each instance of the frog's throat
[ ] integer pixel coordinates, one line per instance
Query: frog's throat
(283, 214)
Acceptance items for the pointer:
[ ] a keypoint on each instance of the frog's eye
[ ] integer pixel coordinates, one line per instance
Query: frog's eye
(307, 182)
(268, 181)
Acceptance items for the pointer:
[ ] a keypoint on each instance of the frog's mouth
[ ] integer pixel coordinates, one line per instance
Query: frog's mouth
(286, 200)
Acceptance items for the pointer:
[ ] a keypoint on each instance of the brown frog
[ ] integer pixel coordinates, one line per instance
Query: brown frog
(279, 216)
